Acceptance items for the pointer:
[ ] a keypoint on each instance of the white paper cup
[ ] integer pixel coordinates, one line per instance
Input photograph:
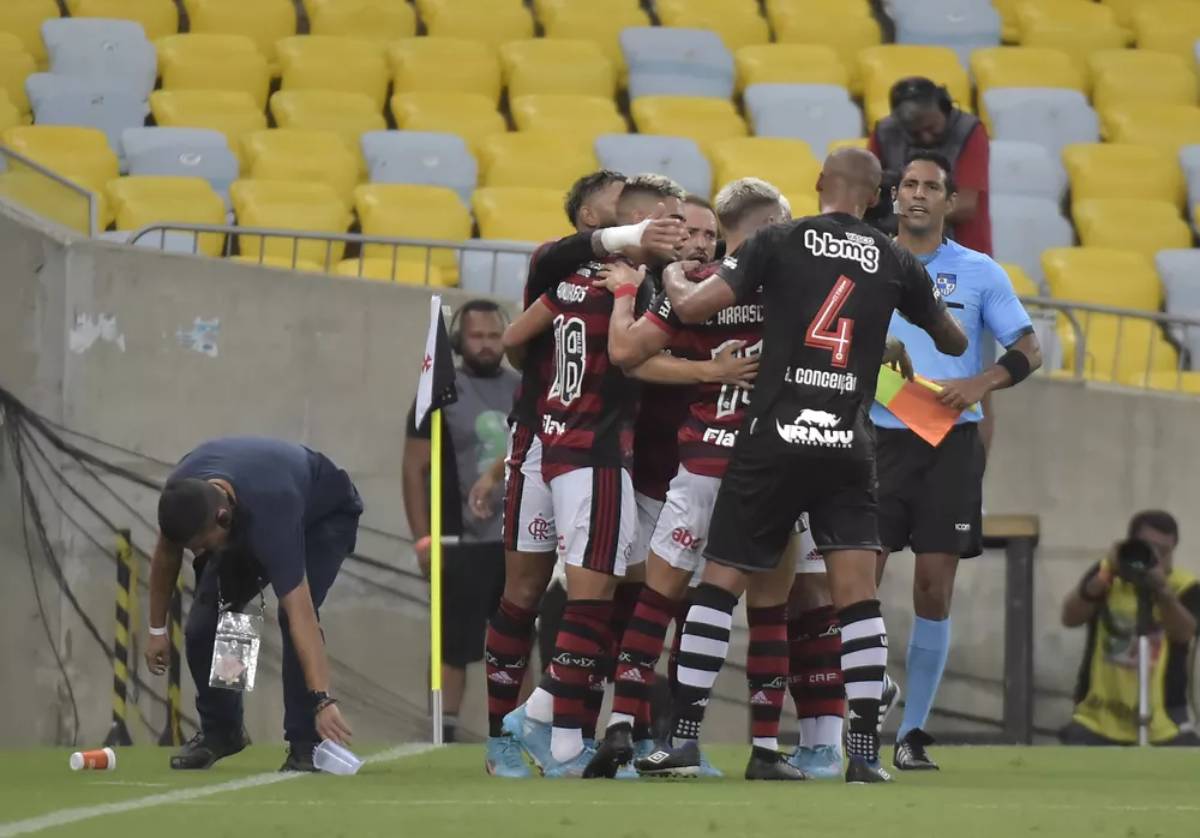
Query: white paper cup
(332, 758)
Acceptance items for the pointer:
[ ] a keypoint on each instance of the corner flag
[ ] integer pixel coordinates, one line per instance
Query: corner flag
(436, 388)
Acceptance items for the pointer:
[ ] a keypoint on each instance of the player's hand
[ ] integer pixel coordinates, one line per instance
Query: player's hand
(615, 274)
(731, 368)
(331, 725)
(961, 393)
(479, 499)
(158, 651)
(896, 356)
(664, 236)
(421, 548)
(678, 271)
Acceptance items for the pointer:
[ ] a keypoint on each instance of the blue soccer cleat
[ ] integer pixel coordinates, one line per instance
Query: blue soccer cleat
(641, 749)
(707, 769)
(823, 762)
(572, 768)
(505, 759)
(533, 736)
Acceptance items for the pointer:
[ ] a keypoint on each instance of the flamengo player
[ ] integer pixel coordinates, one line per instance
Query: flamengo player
(830, 284)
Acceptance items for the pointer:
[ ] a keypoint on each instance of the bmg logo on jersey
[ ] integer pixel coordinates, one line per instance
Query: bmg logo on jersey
(815, 427)
(861, 249)
(570, 357)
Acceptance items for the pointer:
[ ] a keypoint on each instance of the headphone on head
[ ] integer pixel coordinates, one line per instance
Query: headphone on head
(487, 306)
(920, 89)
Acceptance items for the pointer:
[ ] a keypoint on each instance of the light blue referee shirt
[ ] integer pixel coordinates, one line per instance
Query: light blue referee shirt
(980, 296)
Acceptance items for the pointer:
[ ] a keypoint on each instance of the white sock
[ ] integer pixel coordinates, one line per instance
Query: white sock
(620, 719)
(808, 732)
(769, 742)
(828, 731)
(540, 706)
(566, 743)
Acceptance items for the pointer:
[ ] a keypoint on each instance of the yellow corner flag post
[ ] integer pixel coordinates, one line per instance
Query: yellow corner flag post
(435, 571)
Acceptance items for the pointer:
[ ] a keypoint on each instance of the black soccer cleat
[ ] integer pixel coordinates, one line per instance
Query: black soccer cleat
(683, 761)
(910, 754)
(889, 699)
(204, 749)
(613, 751)
(860, 771)
(299, 757)
(766, 764)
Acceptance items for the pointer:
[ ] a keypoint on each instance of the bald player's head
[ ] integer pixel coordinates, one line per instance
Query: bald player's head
(849, 181)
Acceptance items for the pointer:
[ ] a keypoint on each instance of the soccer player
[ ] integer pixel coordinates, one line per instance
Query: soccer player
(930, 498)
(830, 284)
(701, 223)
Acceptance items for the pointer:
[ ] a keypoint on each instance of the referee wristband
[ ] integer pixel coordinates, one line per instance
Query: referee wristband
(1017, 364)
(157, 631)
(626, 290)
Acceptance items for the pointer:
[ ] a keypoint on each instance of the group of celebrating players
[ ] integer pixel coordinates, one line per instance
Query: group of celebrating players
(691, 429)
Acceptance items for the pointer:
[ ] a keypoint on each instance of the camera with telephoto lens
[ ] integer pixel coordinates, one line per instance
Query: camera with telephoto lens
(1135, 560)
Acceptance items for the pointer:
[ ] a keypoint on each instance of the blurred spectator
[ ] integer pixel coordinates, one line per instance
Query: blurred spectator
(701, 223)
(924, 118)
(1106, 601)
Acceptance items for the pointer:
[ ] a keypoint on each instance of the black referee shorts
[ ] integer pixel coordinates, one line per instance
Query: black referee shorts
(931, 499)
(472, 583)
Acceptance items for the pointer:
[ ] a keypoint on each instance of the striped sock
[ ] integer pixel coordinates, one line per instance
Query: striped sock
(702, 652)
(583, 641)
(766, 672)
(816, 676)
(681, 612)
(864, 658)
(641, 647)
(506, 656)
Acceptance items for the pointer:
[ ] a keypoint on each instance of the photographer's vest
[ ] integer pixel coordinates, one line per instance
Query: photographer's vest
(1106, 693)
(894, 147)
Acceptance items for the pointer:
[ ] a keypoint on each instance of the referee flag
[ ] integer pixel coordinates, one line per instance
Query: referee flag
(436, 388)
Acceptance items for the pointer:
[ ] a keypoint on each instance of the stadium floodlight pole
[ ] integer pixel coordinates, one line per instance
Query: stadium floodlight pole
(435, 572)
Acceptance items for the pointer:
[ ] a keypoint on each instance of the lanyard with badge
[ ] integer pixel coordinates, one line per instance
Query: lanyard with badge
(235, 652)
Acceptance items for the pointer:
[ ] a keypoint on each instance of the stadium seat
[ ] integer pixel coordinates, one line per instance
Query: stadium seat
(1179, 271)
(701, 119)
(490, 21)
(547, 11)
(1174, 381)
(233, 113)
(393, 270)
(1018, 168)
(15, 67)
(961, 25)
(300, 156)
(469, 115)
(308, 207)
(789, 64)
(1111, 170)
(1077, 29)
(158, 18)
(849, 142)
(1123, 76)
(24, 18)
(404, 211)
(1168, 27)
(73, 100)
(1023, 227)
(600, 25)
(828, 25)
(181, 152)
(497, 272)
(81, 155)
(1130, 224)
(1023, 67)
(1189, 159)
(421, 158)
(778, 11)
(557, 66)
(328, 62)
(113, 50)
(378, 20)
(138, 141)
(214, 62)
(676, 157)
(544, 160)
(677, 62)
(737, 22)
(140, 201)
(882, 66)
(1022, 284)
(519, 213)
(788, 164)
(1168, 127)
(577, 116)
(264, 21)
(450, 65)
(1050, 117)
(816, 113)
(10, 116)
(431, 9)
(349, 114)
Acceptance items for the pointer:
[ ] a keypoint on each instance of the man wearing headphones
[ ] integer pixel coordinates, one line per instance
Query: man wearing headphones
(476, 434)
(924, 118)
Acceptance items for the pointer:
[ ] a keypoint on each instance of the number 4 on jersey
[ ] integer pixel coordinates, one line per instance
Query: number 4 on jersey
(829, 332)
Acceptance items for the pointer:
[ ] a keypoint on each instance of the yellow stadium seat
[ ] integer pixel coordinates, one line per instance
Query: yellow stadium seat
(557, 66)
(882, 66)
(404, 211)
(11, 43)
(140, 201)
(328, 62)
(584, 116)
(788, 164)
(538, 159)
(389, 270)
(233, 113)
(1164, 126)
(10, 116)
(779, 10)
(482, 20)
(350, 115)
(470, 115)
(1130, 224)
(1175, 381)
(302, 156)
(214, 62)
(699, 119)
(432, 9)
(547, 10)
(377, 20)
(1124, 10)
(737, 21)
(789, 64)
(850, 142)
(283, 263)
(445, 64)
(1110, 170)
(520, 213)
(308, 207)
(158, 18)
(1023, 67)
(803, 203)
(828, 25)
(1168, 27)
(24, 18)
(1124, 76)
(1021, 282)
(15, 67)
(1010, 28)
(1077, 29)
(81, 155)
(600, 25)
(266, 22)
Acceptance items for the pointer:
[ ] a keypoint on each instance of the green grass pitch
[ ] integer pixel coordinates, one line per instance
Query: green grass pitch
(990, 792)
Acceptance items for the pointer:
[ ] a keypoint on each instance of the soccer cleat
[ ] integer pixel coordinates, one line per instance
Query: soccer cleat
(533, 736)
(203, 749)
(823, 762)
(766, 764)
(910, 752)
(889, 699)
(572, 768)
(683, 761)
(707, 769)
(299, 757)
(614, 751)
(504, 759)
(859, 771)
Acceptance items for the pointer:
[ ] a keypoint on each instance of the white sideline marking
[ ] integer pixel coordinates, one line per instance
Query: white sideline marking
(83, 813)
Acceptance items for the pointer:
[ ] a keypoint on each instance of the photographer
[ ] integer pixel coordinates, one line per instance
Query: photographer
(1106, 600)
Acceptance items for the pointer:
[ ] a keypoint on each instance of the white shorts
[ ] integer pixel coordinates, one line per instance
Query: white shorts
(802, 546)
(597, 518)
(528, 507)
(648, 510)
(682, 526)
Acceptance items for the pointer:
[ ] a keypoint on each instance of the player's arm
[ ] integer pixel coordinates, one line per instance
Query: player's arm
(479, 499)
(727, 367)
(531, 323)
(695, 302)
(306, 637)
(164, 571)
(414, 470)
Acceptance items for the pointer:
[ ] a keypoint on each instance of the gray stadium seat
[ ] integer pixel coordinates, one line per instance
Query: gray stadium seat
(676, 157)
(816, 113)
(961, 25)
(98, 48)
(1019, 168)
(1023, 227)
(1179, 271)
(1189, 159)
(1051, 117)
(218, 166)
(421, 157)
(135, 141)
(493, 272)
(677, 62)
(101, 103)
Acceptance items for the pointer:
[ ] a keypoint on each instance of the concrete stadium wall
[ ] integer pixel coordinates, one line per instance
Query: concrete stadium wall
(153, 353)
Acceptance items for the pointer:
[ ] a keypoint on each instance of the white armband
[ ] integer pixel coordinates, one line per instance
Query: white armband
(616, 239)
(160, 631)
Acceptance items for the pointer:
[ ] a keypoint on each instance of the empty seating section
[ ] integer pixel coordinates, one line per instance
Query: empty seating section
(600, 24)
(678, 158)
(94, 103)
(158, 18)
(677, 62)
(423, 158)
(350, 115)
(1077, 28)
(330, 62)
(114, 50)
(1023, 67)
(789, 64)
(520, 213)
(181, 152)
(232, 113)
(265, 22)
(1110, 170)
(828, 25)
(1130, 76)
(788, 164)
(700, 119)
(445, 64)
(24, 18)
(546, 160)
(819, 114)
(81, 155)
(586, 117)
(882, 66)
(285, 205)
(557, 66)
(414, 212)
(1140, 225)
(1166, 126)
(494, 22)
(377, 20)
(214, 62)
(737, 22)
(140, 201)
(300, 155)
(469, 115)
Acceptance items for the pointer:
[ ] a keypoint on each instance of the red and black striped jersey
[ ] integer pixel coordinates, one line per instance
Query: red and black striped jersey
(661, 410)
(588, 406)
(715, 411)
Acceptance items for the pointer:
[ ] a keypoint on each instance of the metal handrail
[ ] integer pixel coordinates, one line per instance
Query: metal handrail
(87, 194)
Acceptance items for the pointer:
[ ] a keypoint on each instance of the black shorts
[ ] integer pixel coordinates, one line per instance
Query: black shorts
(765, 490)
(931, 499)
(472, 583)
